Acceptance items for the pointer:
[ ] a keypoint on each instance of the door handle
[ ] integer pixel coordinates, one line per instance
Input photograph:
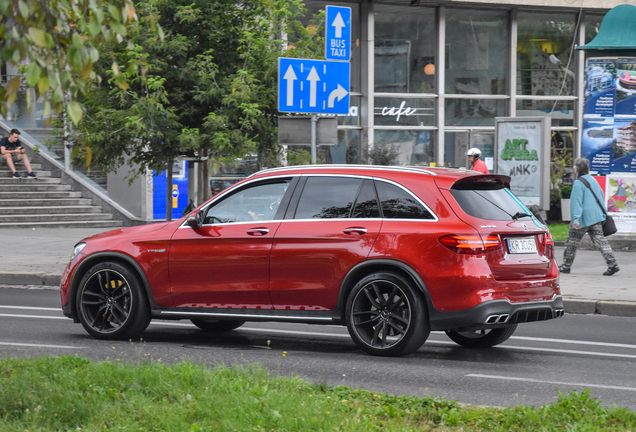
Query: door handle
(357, 230)
(258, 231)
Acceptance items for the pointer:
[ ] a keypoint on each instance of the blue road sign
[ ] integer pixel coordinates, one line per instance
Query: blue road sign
(338, 36)
(313, 86)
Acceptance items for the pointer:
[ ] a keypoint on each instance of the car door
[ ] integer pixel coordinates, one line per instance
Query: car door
(330, 227)
(225, 262)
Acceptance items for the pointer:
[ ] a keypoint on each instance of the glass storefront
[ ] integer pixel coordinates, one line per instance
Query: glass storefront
(474, 112)
(545, 53)
(403, 147)
(476, 51)
(405, 45)
(391, 111)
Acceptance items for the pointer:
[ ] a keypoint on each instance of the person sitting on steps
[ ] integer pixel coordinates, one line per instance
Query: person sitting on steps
(12, 151)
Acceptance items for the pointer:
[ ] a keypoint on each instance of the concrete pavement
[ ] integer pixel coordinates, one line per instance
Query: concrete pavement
(36, 258)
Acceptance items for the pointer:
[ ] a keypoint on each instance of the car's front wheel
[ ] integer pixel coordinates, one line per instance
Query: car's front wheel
(214, 326)
(111, 303)
(484, 338)
(386, 316)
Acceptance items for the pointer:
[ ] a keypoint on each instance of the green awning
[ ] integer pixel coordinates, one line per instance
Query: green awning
(618, 30)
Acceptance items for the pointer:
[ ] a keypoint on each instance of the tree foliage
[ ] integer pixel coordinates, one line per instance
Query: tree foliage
(201, 78)
(58, 38)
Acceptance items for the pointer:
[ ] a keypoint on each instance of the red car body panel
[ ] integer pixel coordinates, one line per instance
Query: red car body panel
(225, 266)
(311, 258)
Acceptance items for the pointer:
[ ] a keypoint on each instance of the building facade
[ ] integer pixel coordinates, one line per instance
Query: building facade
(429, 77)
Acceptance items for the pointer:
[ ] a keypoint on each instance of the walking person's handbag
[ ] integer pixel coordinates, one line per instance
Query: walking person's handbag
(609, 227)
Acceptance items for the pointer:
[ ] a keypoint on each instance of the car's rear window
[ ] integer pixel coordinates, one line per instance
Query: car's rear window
(494, 204)
(398, 204)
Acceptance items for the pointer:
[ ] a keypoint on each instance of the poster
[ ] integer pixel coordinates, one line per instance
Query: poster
(521, 154)
(621, 201)
(608, 138)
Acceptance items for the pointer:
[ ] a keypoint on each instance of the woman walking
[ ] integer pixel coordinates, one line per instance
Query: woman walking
(587, 217)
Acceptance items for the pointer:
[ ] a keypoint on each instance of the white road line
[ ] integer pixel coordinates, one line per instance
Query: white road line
(338, 335)
(512, 347)
(550, 382)
(40, 345)
(31, 308)
(575, 342)
(34, 316)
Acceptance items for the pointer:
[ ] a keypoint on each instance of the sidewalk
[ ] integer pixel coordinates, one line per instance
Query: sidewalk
(37, 257)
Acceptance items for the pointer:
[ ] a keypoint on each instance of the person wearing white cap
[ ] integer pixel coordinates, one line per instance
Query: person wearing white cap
(477, 164)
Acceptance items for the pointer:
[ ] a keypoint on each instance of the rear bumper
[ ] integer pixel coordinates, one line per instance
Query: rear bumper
(497, 313)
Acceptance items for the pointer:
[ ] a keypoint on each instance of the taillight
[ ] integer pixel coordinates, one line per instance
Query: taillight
(472, 244)
(548, 239)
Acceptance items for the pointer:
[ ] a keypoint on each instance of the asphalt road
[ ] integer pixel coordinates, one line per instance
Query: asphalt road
(572, 353)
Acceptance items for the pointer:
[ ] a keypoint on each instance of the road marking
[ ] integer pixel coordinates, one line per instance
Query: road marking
(34, 316)
(565, 341)
(550, 382)
(40, 345)
(304, 333)
(30, 308)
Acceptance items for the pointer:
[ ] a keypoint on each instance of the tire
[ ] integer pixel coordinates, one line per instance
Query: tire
(213, 326)
(483, 338)
(111, 302)
(386, 316)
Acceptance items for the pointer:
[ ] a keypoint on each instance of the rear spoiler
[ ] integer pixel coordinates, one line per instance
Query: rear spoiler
(483, 182)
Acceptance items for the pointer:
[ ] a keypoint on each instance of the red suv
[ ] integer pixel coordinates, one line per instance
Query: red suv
(390, 252)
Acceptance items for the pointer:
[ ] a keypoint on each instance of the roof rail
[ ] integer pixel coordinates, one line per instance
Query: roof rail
(369, 167)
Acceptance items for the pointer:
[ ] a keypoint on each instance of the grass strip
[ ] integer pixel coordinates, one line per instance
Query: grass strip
(76, 394)
(559, 231)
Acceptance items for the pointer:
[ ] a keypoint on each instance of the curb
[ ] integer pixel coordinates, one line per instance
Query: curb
(599, 307)
(28, 278)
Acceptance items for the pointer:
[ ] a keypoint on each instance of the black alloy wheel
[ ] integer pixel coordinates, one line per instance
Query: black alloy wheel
(386, 316)
(214, 326)
(482, 338)
(111, 302)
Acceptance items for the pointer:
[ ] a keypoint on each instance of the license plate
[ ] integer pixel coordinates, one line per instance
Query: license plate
(522, 245)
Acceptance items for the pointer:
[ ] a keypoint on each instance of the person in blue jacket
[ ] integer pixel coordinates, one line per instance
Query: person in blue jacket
(587, 217)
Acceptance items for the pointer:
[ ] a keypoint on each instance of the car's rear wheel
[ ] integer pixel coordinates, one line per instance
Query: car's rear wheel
(386, 316)
(214, 326)
(484, 338)
(111, 302)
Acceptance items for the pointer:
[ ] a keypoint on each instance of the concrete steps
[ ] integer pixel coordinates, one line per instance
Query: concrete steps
(46, 202)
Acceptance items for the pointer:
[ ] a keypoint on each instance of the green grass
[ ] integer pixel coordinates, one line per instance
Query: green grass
(559, 231)
(75, 394)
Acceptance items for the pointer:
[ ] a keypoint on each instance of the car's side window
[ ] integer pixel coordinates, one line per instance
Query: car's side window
(367, 202)
(399, 204)
(327, 197)
(256, 203)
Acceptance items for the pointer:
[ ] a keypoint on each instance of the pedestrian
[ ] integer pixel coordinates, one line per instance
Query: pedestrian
(476, 163)
(12, 152)
(586, 217)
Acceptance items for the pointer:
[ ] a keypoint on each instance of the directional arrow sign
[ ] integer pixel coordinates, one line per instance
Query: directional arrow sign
(338, 36)
(313, 86)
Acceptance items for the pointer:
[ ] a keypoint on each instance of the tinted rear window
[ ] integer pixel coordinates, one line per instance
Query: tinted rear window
(327, 198)
(493, 204)
(399, 204)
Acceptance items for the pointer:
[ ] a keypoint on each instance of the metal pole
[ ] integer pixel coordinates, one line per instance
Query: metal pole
(314, 120)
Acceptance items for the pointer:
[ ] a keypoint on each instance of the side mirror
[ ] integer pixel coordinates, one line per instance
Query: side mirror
(195, 221)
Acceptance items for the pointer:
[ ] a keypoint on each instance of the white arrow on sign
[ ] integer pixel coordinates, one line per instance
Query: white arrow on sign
(290, 76)
(339, 93)
(313, 78)
(338, 23)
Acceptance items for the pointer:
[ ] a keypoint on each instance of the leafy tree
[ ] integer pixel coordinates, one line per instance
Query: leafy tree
(58, 39)
(201, 78)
